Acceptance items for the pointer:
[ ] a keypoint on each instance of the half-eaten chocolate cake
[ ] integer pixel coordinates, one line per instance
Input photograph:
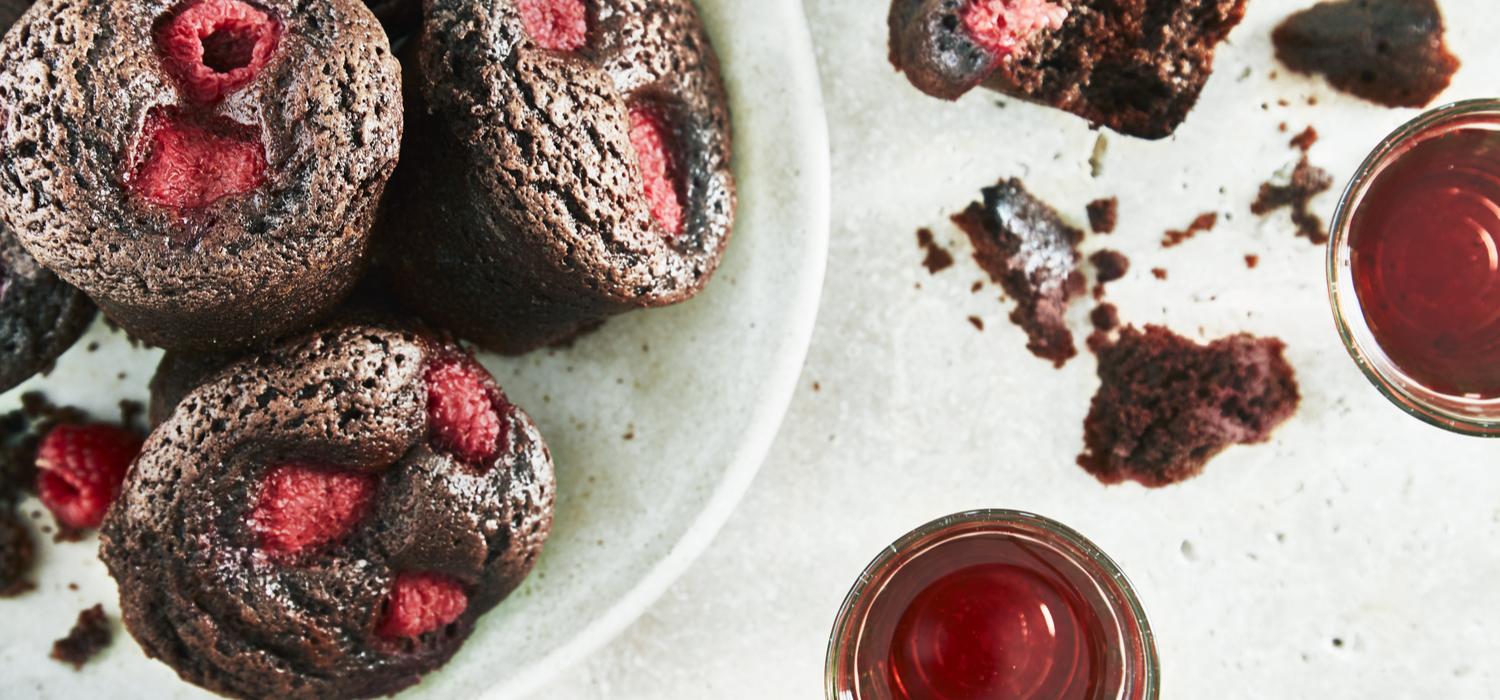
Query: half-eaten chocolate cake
(566, 161)
(329, 518)
(207, 171)
(1135, 66)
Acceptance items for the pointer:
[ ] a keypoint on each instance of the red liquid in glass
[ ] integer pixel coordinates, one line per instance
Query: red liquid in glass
(1426, 265)
(988, 617)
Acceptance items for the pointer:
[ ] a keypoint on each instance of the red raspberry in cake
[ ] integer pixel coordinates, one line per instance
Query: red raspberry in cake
(214, 47)
(648, 134)
(190, 164)
(462, 414)
(420, 603)
(80, 468)
(560, 25)
(303, 506)
(1002, 25)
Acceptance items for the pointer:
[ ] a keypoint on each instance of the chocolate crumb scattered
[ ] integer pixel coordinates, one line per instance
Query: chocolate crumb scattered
(1306, 182)
(817, 386)
(1105, 317)
(1104, 214)
(1159, 273)
(1390, 52)
(93, 346)
(938, 258)
(1205, 222)
(89, 636)
(1252, 260)
(72, 586)
(17, 554)
(1109, 265)
(1167, 405)
(1305, 140)
(976, 287)
(977, 323)
(1027, 249)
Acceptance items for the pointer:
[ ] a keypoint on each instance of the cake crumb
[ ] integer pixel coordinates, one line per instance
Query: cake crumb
(1305, 183)
(1104, 214)
(1205, 222)
(1159, 273)
(1109, 265)
(977, 323)
(1252, 260)
(938, 258)
(1305, 140)
(89, 636)
(1167, 405)
(1105, 317)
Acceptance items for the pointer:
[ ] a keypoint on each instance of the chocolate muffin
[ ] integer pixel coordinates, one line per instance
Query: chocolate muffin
(207, 171)
(566, 161)
(40, 315)
(1135, 66)
(329, 518)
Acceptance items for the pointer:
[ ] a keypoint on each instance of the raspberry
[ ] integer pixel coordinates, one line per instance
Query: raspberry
(190, 164)
(215, 47)
(559, 25)
(648, 133)
(1002, 25)
(303, 506)
(463, 417)
(420, 603)
(80, 469)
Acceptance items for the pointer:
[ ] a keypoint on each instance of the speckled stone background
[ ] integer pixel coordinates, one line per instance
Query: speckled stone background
(1352, 557)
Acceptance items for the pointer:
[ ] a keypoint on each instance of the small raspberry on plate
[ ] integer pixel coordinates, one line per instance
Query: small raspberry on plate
(80, 469)
(420, 603)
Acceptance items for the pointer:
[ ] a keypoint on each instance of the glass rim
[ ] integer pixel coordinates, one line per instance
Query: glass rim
(1458, 414)
(869, 577)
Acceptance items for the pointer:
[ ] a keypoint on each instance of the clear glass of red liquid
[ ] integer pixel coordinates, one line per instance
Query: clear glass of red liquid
(992, 605)
(1414, 267)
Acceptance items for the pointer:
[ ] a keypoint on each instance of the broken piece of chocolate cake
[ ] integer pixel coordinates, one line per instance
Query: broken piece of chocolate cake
(1135, 66)
(1031, 253)
(1167, 405)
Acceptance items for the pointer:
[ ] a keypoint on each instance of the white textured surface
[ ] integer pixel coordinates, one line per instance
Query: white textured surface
(699, 389)
(1355, 524)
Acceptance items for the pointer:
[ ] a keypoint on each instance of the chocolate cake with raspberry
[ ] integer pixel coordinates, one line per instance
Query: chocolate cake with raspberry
(328, 518)
(206, 171)
(1167, 405)
(1135, 66)
(565, 161)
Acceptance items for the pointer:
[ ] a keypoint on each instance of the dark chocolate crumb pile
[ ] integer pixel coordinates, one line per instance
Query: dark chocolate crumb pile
(1205, 222)
(1166, 405)
(1306, 182)
(89, 636)
(1390, 52)
(1033, 255)
(1305, 140)
(938, 258)
(1104, 214)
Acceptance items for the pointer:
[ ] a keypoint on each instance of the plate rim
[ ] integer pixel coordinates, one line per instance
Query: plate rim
(766, 420)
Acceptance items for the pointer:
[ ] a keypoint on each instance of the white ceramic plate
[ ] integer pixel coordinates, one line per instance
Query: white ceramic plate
(658, 422)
